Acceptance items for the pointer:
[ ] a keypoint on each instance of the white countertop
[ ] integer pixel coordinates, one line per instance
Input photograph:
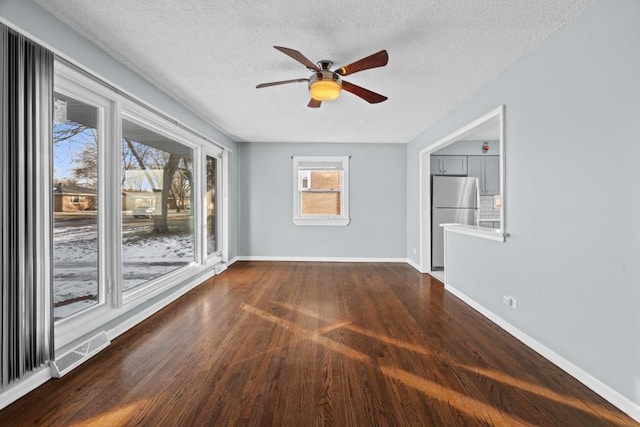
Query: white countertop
(473, 230)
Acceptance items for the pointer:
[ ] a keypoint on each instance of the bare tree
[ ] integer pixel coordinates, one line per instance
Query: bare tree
(160, 223)
(140, 158)
(176, 180)
(149, 158)
(86, 169)
(68, 131)
(181, 184)
(83, 149)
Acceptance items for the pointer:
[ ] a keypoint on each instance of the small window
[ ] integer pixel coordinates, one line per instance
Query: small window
(320, 191)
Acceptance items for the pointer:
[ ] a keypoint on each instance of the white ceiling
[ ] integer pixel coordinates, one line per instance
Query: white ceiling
(210, 56)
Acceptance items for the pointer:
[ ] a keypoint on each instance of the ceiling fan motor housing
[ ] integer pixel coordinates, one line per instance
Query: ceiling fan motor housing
(325, 85)
(324, 76)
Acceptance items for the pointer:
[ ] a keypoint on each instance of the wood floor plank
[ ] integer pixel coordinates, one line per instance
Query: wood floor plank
(324, 344)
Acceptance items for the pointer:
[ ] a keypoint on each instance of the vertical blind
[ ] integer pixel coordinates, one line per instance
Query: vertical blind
(26, 88)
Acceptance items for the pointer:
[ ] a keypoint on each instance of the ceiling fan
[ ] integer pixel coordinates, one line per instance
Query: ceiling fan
(326, 85)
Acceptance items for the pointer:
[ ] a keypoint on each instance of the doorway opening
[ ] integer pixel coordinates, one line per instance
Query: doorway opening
(476, 150)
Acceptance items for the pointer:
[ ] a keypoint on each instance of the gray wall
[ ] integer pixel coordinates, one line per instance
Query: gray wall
(377, 202)
(573, 196)
(31, 19)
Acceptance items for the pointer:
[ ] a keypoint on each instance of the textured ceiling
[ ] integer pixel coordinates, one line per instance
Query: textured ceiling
(210, 55)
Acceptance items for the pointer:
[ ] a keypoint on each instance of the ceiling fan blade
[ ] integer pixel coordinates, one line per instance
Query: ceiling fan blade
(378, 59)
(282, 82)
(366, 94)
(314, 103)
(298, 57)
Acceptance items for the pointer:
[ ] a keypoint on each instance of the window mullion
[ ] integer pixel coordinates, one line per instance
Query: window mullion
(112, 210)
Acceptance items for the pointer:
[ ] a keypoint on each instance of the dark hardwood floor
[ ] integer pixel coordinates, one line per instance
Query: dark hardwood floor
(303, 344)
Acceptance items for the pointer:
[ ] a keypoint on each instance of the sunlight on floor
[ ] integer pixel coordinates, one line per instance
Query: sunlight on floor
(312, 335)
(433, 390)
(389, 340)
(458, 400)
(537, 389)
(117, 416)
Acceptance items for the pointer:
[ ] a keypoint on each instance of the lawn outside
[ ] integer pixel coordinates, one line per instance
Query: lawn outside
(145, 255)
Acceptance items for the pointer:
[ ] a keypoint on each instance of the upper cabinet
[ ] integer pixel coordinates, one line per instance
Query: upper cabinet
(492, 175)
(487, 170)
(448, 165)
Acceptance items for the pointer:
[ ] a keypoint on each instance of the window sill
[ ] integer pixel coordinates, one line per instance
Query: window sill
(337, 222)
(472, 230)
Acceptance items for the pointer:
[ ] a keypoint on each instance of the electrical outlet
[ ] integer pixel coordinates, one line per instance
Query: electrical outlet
(510, 301)
(414, 251)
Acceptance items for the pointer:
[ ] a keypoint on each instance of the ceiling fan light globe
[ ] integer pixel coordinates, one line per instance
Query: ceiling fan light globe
(324, 90)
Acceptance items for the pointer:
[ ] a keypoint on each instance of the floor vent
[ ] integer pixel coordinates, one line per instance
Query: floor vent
(83, 352)
(219, 268)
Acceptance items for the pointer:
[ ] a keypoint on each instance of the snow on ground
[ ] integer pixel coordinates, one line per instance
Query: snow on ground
(145, 256)
(149, 256)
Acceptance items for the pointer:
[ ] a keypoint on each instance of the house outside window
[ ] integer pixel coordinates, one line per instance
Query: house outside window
(321, 190)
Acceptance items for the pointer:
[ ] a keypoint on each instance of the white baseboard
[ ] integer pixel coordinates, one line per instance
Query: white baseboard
(25, 386)
(319, 259)
(414, 265)
(622, 402)
(233, 261)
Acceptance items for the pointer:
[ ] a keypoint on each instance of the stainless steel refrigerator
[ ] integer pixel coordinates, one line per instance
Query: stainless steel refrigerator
(454, 199)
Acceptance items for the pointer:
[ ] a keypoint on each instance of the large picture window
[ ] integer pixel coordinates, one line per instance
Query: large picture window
(321, 195)
(77, 132)
(157, 220)
(136, 205)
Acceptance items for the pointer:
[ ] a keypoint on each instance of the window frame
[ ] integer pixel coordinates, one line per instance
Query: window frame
(73, 84)
(80, 84)
(299, 218)
(141, 116)
(218, 255)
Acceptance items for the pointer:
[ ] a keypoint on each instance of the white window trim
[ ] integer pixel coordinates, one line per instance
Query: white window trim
(323, 220)
(112, 305)
(73, 84)
(223, 229)
(218, 255)
(135, 113)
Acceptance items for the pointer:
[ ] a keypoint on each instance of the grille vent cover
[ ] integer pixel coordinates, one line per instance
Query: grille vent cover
(80, 354)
